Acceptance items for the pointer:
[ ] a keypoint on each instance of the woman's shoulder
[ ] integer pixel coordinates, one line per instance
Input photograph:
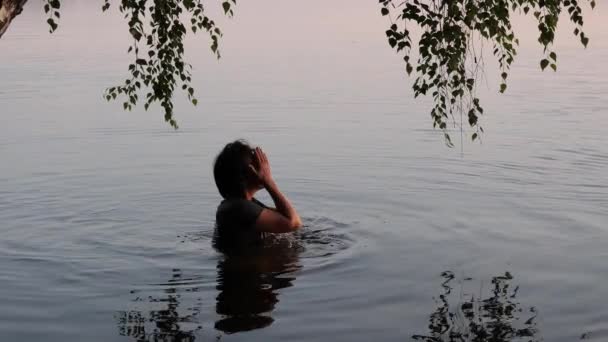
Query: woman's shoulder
(232, 204)
(238, 210)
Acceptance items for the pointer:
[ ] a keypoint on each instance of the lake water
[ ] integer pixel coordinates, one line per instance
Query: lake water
(107, 217)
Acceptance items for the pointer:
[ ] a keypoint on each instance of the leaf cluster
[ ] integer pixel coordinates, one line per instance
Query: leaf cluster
(158, 67)
(450, 50)
(450, 47)
(51, 8)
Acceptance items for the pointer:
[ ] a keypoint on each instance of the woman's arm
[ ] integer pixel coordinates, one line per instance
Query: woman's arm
(285, 218)
(282, 204)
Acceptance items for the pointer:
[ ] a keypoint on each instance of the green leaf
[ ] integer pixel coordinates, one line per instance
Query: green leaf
(584, 40)
(544, 63)
(474, 136)
(503, 87)
(553, 56)
(52, 24)
(226, 6)
(55, 4)
(135, 34)
(409, 68)
(384, 11)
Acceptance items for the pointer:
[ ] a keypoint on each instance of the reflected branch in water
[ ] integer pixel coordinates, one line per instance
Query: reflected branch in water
(249, 280)
(169, 323)
(498, 317)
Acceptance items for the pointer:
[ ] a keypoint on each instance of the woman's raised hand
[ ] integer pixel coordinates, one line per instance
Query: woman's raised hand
(284, 218)
(261, 166)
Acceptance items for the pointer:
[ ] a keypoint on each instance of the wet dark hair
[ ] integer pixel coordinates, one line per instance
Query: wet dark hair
(231, 169)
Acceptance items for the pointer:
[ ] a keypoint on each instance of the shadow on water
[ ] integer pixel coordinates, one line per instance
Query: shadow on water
(496, 317)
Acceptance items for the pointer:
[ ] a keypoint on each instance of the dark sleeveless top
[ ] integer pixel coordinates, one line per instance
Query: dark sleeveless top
(235, 223)
(239, 213)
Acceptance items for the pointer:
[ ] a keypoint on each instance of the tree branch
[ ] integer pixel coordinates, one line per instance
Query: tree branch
(9, 9)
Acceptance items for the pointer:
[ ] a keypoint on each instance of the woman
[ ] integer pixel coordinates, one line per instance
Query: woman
(240, 171)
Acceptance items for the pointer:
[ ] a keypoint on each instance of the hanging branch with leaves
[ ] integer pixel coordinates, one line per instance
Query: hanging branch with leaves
(158, 29)
(449, 55)
(449, 52)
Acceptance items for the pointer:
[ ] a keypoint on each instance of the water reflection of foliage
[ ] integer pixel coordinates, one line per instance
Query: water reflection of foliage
(169, 324)
(496, 318)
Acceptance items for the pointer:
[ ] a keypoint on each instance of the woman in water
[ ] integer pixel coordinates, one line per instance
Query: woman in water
(240, 171)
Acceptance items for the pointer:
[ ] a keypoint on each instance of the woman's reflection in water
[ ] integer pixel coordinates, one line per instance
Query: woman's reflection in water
(249, 278)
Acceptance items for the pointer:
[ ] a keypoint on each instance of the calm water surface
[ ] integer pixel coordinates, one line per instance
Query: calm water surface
(107, 217)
